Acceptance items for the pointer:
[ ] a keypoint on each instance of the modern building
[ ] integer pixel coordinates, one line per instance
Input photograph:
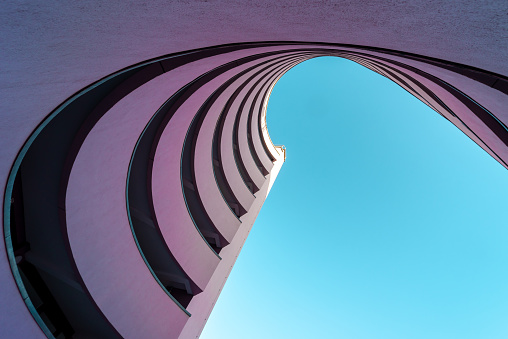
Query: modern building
(135, 155)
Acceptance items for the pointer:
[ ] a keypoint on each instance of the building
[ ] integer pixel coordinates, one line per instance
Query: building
(135, 155)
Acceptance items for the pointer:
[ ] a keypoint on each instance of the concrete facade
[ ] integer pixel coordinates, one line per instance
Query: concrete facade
(134, 150)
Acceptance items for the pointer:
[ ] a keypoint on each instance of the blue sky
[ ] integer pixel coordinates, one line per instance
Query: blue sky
(385, 221)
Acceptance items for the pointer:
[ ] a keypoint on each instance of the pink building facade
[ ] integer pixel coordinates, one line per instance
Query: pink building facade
(135, 155)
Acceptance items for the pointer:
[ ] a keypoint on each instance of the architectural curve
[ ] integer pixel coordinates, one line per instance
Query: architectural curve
(126, 204)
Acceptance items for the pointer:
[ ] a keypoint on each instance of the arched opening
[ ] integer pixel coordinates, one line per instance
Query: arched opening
(386, 221)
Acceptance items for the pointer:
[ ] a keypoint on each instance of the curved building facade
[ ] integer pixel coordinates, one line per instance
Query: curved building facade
(135, 153)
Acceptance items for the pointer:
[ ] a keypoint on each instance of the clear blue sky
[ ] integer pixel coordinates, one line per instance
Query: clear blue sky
(385, 221)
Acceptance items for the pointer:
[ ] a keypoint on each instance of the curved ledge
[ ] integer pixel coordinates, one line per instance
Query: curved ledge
(214, 196)
(258, 109)
(229, 170)
(244, 133)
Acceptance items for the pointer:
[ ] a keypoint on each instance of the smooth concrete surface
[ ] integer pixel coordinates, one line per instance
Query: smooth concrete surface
(98, 229)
